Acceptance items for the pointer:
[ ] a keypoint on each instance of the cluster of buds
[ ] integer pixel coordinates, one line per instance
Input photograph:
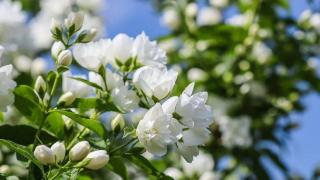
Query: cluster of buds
(71, 30)
(79, 154)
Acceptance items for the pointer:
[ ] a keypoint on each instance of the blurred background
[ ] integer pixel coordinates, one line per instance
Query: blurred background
(302, 153)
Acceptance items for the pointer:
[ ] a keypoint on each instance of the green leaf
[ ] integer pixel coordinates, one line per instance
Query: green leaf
(92, 124)
(55, 124)
(87, 82)
(1, 117)
(23, 134)
(27, 102)
(144, 164)
(117, 165)
(85, 104)
(23, 151)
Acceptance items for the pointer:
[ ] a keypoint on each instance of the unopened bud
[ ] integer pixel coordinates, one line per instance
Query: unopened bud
(88, 35)
(65, 58)
(55, 27)
(56, 49)
(40, 85)
(74, 19)
(118, 123)
(67, 98)
(44, 154)
(79, 151)
(97, 159)
(59, 151)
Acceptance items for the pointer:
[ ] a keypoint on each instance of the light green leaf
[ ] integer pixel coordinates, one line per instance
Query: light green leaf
(55, 124)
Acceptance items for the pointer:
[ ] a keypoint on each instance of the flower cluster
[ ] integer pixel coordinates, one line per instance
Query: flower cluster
(133, 72)
(7, 85)
(79, 155)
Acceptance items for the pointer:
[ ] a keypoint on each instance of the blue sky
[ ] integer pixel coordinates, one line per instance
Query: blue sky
(134, 16)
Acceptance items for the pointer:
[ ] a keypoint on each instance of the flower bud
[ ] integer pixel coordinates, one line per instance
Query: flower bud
(117, 123)
(88, 35)
(67, 98)
(74, 19)
(79, 151)
(97, 159)
(44, 154)
(40, 85)
(59, 151)
(65, 58)
(55, 27)
(56, 49)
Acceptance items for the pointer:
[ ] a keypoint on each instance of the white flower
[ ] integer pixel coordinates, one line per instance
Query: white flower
(209, 175)
(261, 52)
(174, 173)
(59, 151)
(98, 159)
(22, 63)
(38, 66)
(155, 82)
(209, 16)
(148, 52)
(93, 55)
(238, 20)
(219, 3)
(315, 21)
(171, 18)
(6, 87)
(197, 74)
(44, 154)
(122, 48)
(195, 114)
(191, 9)
(124, 98)
(40, 30)
(201, 164)
(78, 89)
(157, 130)
(235, 132)
(11, 13)
(304, 16)
(79, 151)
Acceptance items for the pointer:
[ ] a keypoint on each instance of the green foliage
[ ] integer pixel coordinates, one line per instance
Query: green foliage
(118, 166)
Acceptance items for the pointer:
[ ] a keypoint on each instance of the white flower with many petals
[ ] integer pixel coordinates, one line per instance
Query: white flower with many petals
(6, 87)
(122, 46)
(93, 55)
(78, 89)
(157, 130)
(148, 52)
(125, 99)
(155, 82)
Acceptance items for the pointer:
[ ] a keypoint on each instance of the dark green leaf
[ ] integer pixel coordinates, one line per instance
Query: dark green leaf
(23, 134)
(117, 165)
